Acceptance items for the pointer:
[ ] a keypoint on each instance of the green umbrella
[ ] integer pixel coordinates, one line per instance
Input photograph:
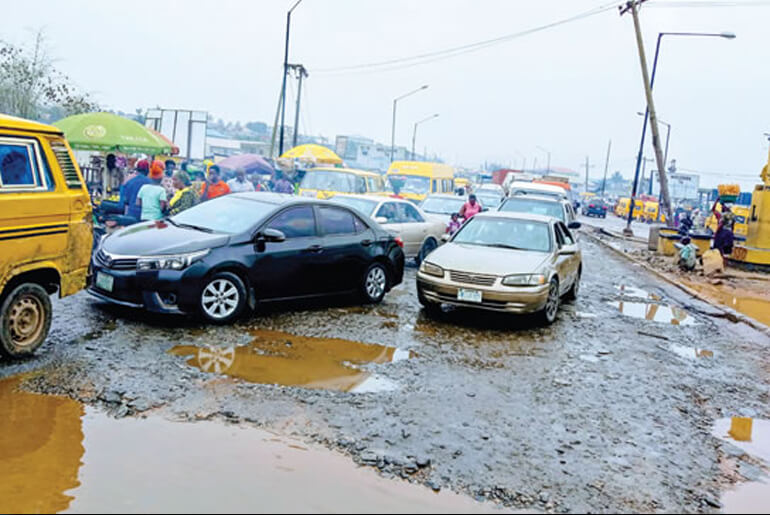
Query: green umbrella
(109, 132)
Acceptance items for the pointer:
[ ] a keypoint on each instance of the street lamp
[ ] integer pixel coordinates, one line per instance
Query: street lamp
(414, 134)
(285, 73)
(549, 157)
(393, 129)
(665, 152)
(725, 35)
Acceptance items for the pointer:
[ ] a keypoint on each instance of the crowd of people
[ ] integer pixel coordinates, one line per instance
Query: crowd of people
(723, 239)
(157, 189)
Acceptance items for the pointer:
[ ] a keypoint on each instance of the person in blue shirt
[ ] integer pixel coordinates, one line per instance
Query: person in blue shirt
(130, 190)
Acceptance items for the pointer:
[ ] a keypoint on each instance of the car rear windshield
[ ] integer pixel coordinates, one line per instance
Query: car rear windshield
(443, 206)
(343, 182)
(362, 205)
(534, 206)
(229, 214)
(489, 201)
(506, 233)
(409, 184)
(524, 191)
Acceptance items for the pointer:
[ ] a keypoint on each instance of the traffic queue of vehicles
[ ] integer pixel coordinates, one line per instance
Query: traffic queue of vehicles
(223, 257)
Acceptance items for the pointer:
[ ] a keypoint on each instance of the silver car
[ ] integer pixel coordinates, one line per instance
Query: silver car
(507, 262)
(419, 233)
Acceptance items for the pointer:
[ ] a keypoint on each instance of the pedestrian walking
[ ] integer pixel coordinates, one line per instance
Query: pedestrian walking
(167, 182)
(214, 186)
(185, 196)
(454, 224)
(130, 190)
(282, 184)
(470, 208)
(151, 198)
(240, 183)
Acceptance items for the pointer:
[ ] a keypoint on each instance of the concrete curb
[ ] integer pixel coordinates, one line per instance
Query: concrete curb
(730, 314)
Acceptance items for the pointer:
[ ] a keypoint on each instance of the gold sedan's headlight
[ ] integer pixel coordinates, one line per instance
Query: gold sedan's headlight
(524, 280)
(431, 269)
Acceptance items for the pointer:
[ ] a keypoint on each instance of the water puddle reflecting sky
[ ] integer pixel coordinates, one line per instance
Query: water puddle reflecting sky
(57, 456)
(753, 437)
(654, 312)
(690, 352)
(275, 357)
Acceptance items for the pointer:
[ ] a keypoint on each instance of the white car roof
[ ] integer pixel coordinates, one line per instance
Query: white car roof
(535, 187)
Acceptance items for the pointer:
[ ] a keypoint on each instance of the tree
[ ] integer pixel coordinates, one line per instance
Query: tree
(31, 87)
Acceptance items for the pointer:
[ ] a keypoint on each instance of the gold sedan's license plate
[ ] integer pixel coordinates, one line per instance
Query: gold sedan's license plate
(469, 295)
(104, 281)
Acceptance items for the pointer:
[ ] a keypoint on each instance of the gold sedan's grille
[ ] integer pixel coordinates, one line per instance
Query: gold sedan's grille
(476, 279)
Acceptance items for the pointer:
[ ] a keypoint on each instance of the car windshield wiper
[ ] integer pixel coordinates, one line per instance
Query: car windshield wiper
(196, 227)
(505, 246)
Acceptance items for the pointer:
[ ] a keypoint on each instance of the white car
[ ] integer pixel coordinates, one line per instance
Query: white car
(561, 209)
(534, 188)
(420, 234)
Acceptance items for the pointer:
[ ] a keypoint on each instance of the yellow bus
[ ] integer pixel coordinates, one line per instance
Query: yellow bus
(415, 180)
(622, 207)
(325, 182)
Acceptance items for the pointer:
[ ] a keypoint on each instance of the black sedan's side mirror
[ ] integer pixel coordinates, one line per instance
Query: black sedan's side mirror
(273, 235)
(575, 225)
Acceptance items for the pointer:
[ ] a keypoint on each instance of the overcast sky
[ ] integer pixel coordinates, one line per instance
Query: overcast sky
(568, 89)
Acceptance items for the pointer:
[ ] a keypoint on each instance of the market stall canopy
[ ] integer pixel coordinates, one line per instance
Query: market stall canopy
(251, 163)
(107, 132)
(174, 148)
(314, 153)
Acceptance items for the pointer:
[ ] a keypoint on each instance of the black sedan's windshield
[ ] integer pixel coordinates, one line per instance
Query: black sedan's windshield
(534, 206)
(231, 215)
(506, 233)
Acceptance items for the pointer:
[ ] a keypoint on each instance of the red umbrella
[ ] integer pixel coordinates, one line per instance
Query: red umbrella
(174, 148)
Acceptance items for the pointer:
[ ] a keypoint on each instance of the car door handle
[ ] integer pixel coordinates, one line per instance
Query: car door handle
(366, 243)
(315, 249)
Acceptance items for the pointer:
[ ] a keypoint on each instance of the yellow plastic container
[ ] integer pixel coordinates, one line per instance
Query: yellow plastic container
(740, 429)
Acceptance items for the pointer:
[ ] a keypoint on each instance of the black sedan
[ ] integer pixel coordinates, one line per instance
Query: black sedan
(221, 256)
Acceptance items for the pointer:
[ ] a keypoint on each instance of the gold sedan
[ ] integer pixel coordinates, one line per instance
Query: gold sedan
(507, 262)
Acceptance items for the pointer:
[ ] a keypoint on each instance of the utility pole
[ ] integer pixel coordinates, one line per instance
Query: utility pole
(644, 169)
(606, 166)
(285, 73)
(586, 174)
(275, 124)
(301, 72)
(632, 6)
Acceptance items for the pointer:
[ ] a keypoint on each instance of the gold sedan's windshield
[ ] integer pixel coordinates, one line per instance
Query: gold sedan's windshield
(506, 233)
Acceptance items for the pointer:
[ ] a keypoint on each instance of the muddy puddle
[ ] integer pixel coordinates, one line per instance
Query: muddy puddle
(274, 357)
(752, 306)
(59, 457)
(753, 437)
(654, 312)
(691, 352)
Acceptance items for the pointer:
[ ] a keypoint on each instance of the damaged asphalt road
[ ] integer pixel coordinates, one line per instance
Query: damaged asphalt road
(610, 409)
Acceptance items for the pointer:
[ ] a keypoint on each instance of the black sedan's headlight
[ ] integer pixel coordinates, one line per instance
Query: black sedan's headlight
(170, 262)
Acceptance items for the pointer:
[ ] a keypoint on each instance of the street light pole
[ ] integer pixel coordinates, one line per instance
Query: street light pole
(285, 73)
(650, 111)
(548, 152)
(665, 152)
(606, 166)
(414, 134)
(393, 128)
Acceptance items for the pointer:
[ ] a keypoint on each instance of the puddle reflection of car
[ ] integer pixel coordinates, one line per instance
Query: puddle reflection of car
(419, 233)
(230, 253)
(506, 262)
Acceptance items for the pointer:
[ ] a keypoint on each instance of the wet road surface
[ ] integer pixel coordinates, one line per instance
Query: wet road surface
(613, 408)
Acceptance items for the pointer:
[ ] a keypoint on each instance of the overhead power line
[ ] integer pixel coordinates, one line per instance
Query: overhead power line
(706, 3)
(424, 58)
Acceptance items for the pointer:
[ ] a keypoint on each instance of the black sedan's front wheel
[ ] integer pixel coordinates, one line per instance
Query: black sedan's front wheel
(223, 298)
(375, 283)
